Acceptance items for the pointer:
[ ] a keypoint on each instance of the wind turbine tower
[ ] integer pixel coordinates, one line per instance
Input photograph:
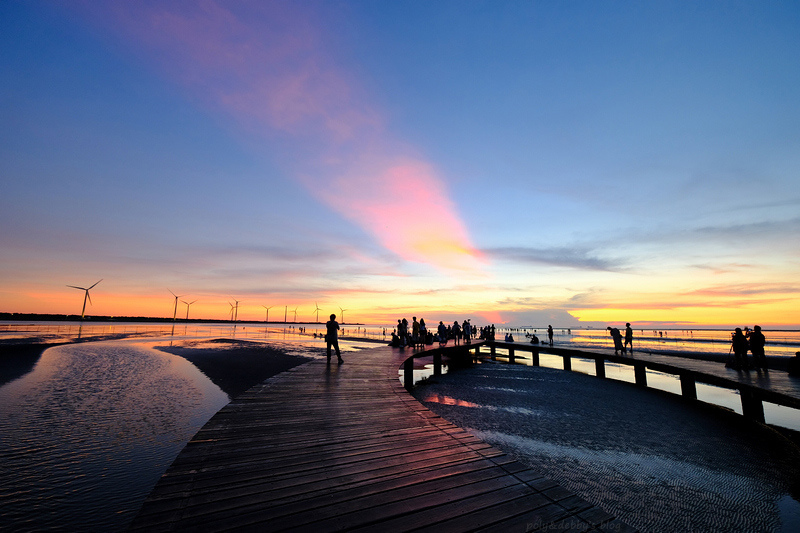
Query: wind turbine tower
(85, 296)
(175, 311)
(342, 310)
(236, 310)
(295, 315)
(317, 310)
(267, 308)
(187, 308)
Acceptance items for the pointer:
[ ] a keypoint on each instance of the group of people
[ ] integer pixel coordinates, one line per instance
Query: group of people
(619, 346)
(744, 340)
(421, 336)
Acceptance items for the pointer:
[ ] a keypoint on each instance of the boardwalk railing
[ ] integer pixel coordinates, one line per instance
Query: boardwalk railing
(752, 396)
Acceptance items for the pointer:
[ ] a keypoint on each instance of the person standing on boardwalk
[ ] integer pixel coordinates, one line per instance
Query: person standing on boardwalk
(466, 330)
(332, 338)
(628, 336)
(739, 347)
(757, 342)
(456, 332)
(617, 336)
(550, 334)
(442, 331)
(414, 331)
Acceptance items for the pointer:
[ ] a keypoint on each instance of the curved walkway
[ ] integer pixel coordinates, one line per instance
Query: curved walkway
(345, 447)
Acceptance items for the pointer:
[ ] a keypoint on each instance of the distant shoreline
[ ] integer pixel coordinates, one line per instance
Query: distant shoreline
(96, 319)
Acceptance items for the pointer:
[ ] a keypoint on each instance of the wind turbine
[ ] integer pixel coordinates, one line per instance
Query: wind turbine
(295, 315)
(342, 310)
(85, 297)
(267, 308)
(175, 312)
(235, 310)
(285, 310)
(187, 308)
(317, 310)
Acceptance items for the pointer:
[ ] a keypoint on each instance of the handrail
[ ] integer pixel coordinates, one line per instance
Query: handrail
(751, 396)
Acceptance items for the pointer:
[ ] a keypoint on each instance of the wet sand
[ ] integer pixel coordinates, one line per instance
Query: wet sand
(16, 360)
(234, 365)
(657, 462)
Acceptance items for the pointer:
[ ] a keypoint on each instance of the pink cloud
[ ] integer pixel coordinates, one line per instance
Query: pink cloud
(265, 64)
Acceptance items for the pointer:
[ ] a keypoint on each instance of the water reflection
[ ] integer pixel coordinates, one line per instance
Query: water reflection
(86, 435)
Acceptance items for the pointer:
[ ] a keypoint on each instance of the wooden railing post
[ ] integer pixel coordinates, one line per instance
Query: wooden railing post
(640, 372)
(511, 355)
(535, 356)
(567, 362)
(752, 407)
(437, 364)
(688, 387)
(493, 352)
(408, 373)
(600, 366)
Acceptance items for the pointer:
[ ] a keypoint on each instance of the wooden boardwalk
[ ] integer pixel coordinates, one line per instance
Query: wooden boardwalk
(346, 448)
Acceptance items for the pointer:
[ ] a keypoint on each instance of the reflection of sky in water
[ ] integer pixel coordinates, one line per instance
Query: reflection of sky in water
(87, 433)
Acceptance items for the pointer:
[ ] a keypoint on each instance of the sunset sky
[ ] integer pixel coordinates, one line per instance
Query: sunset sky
(524, 163)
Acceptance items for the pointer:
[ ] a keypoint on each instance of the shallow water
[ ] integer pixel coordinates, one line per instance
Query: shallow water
(654, 461)
(85, 436)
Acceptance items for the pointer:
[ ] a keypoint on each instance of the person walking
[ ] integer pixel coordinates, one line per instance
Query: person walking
(550, 334)
(332, 338)
(628, 336)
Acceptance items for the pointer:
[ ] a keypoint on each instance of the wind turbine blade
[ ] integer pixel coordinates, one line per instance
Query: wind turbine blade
(92, 287)
(74, 287)
(172, 293)
(89, 297)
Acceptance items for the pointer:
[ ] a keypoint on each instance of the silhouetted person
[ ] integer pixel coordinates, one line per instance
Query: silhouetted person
(739, 347)
(414, 331)
(442, 331)
(617, 336)
(332, 338)
(794, 365)
(757, 342)
(456, 332)
(423, 332)
(550, 334)
(628, 336)
(466, 330)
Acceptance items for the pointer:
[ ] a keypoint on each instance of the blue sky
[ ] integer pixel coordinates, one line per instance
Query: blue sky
(518, 162)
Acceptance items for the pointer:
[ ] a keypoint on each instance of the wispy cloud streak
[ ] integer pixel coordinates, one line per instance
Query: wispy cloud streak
(267, 65)
(563, 257)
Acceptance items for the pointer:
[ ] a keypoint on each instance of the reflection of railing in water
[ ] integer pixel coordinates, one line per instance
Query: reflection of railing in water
(752, 397)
